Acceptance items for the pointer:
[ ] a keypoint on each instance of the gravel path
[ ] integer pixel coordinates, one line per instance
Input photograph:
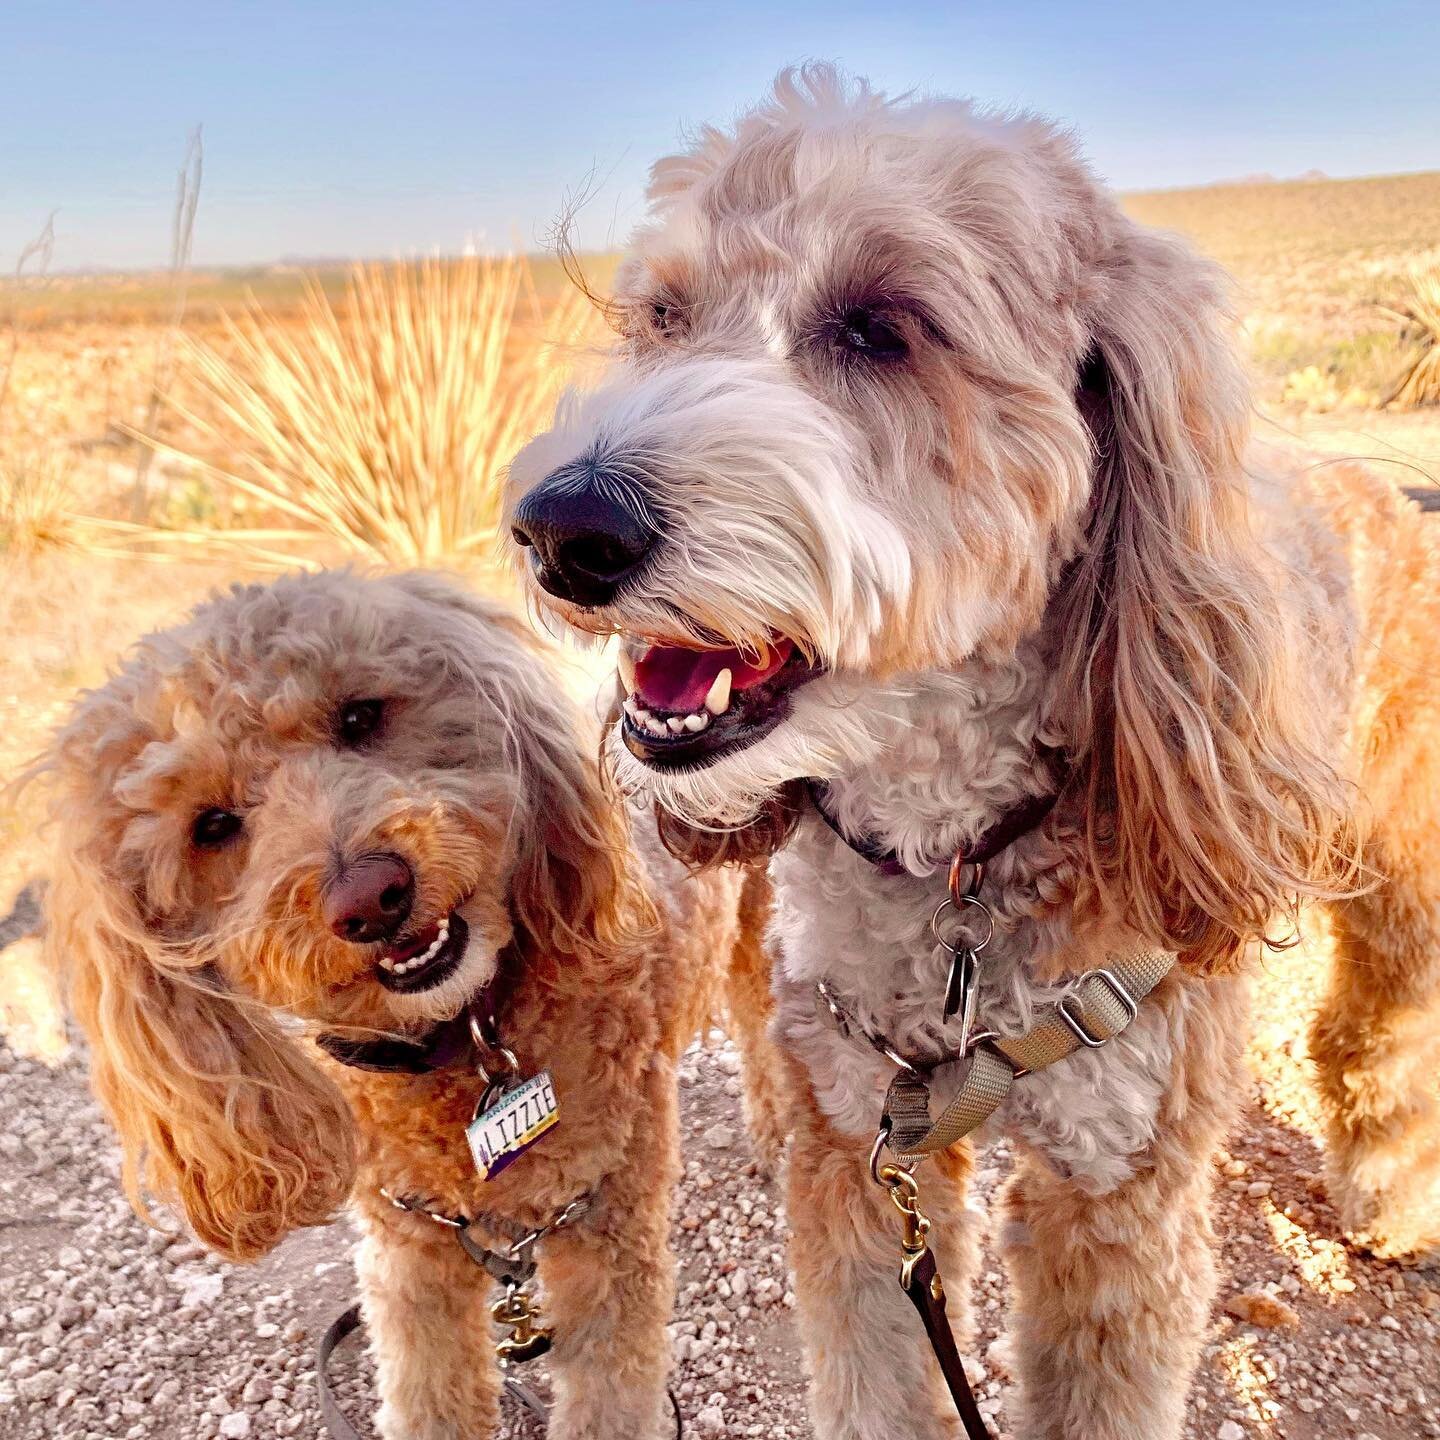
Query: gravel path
(108, 1329)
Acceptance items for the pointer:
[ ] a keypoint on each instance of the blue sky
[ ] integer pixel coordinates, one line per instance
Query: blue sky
(364, 129)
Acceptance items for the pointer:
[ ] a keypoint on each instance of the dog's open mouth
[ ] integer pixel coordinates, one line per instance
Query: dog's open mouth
(686, 706)
(424, 959)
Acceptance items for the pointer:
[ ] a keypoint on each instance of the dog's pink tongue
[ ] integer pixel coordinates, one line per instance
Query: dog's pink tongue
(671, 678)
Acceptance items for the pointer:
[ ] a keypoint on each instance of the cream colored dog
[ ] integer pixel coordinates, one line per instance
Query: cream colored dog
(922, 471)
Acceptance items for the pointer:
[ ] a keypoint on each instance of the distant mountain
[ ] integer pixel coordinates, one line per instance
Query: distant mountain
(1262, 177)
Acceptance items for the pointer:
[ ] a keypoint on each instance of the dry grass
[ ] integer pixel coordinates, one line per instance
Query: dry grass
(1314, 263)
(36, 499)
(379, 423)
(1420, 318)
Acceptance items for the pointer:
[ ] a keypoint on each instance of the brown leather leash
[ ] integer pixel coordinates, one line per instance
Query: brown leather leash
(920, 1280)
(927, 1294)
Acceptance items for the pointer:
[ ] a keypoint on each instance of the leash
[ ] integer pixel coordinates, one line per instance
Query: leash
(336, 1422)
(920, 1280)
(1095, 1007)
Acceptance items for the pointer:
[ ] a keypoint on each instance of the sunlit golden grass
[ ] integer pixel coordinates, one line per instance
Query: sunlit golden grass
(1420, 317)
(379, 423)
(36, 498)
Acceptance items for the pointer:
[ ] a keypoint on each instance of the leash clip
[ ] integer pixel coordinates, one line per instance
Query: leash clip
(527, 1340)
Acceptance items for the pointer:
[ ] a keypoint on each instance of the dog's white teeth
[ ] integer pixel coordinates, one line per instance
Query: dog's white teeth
(717, 700)
(631, 708)
(696, 723)
(625, 661)
(676, 724)
(386, 963)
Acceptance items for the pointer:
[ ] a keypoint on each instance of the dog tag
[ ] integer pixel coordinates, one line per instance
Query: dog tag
(501, 1133)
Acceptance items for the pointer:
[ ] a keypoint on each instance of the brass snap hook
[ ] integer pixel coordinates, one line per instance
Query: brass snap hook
(527, 1339)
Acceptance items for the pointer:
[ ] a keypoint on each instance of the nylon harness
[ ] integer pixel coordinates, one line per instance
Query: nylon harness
(1096, 1007)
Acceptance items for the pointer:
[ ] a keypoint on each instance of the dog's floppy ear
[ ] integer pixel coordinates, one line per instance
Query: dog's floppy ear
(1209, 803)
(572, 891)
(216, 1107)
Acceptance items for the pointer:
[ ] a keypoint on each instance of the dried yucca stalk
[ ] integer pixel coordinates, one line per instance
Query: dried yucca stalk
(1420, 317)
(384, 422)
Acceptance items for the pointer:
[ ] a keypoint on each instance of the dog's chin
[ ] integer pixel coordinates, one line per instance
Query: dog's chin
(824, 731)
(463, 976)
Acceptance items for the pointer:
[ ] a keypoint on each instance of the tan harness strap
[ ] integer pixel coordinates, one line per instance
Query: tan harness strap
(1096, 1008)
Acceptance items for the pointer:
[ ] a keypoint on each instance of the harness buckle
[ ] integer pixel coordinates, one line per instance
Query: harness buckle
(1076, 1020)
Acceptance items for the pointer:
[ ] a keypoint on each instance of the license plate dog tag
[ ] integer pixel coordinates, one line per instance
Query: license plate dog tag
(503, 1131)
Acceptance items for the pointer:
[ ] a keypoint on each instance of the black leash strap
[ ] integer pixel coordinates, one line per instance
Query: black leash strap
(923, 1285)
(331, 1415)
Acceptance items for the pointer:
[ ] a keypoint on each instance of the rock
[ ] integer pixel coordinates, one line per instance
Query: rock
(719, 1137)
(710, 1421)
(199, 1290)
(1229, 1430)
(235, 1425)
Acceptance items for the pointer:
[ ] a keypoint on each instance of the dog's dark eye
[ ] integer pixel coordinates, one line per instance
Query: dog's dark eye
(359, 721)
(214, 827)
(863, 332)
(666, 319)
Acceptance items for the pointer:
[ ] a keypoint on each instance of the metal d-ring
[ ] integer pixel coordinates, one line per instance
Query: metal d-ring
(487, 1046)
(962, 982)
(974, 901)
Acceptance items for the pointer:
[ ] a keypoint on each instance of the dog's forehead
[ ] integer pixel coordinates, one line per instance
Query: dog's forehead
(277, 659)
(932, 191)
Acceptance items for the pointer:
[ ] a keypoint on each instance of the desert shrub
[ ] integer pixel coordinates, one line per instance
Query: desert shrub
(36, 498)
(1419, 317)
(379, 422)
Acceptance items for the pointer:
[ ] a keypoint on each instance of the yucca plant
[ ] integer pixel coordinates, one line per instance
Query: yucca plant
(381, 423)
(1419, 315)
(36, 498)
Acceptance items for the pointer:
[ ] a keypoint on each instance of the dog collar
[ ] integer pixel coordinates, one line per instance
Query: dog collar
(1019, 820)
(468, 1038)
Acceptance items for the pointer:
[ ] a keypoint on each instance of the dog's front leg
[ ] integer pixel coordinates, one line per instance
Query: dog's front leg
(426, 1305)
(872, 1374)
(610, 1285)
(1114, 1277)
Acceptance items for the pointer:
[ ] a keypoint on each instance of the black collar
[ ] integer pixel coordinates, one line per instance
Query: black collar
(447, 1044)
(451, 1042)
(1019, 820)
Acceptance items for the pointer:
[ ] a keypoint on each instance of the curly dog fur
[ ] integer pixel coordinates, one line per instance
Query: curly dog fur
(195, 969)
(903, 395)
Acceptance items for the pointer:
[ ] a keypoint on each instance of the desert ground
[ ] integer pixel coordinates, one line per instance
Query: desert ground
(107, 1329)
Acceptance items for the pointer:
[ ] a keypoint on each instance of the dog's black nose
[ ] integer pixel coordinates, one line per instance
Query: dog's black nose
(370, 899)
(587, 532)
